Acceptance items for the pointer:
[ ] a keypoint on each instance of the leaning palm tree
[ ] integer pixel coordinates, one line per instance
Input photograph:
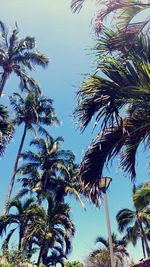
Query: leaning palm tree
(125, 87)
(33, 112)
(6, 128)
(17, 56)
(102, 255)
(135, 224)
(18, 220)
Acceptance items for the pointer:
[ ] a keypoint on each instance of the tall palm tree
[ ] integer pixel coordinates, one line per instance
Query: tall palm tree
(33, 112)
(6, 128)
(123, 90)
(135, 224)
(17, 56)
(18, 220)
(50, 169)
(119, 248)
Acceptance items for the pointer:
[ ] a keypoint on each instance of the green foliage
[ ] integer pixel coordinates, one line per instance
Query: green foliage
(18, 56)
(6, 128)
(12, 258)
(135, 223)
(74, 264)
(119, 103)
(101, 256)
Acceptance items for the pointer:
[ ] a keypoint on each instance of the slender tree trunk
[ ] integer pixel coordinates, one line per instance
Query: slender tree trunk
(3, 81)
(142, 239)
(29, 255)
(39, 199)
(143, 247)
(41, 249)
(44, 255)
(145, 241)
(14, 171)
(20, 239)
(41, 253)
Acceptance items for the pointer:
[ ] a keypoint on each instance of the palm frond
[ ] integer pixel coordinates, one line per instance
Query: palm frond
(4, 33)
(102, 240)
(76, 5)
(124, 218)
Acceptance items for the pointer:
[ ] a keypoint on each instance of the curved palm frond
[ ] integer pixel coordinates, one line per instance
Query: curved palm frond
(124, 217)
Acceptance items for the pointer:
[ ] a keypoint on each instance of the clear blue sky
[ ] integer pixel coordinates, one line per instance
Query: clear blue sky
(64, 38)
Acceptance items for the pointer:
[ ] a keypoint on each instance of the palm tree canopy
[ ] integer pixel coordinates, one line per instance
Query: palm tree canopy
(123, 90)
(19, 55)
(123, 14)
(135, 223)
(101, 256)
(119, 245)
(53, 227)
(50, 170)
(141, 198)
(18, 218)
(6, 128)
(33, 109)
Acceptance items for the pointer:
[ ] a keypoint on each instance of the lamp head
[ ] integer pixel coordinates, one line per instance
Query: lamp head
(104, 183)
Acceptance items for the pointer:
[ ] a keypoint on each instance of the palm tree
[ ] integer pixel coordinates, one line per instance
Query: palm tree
(125, 87)
(50, 169)
(102, 255)
(135, 223)
(18, 220)
(51, 229)
(6, 128)
(17, 56)
(33, 111)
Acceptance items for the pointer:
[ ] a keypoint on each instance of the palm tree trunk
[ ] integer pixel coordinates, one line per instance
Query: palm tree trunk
(14, 171)
(143, 247)
(145, 241)
(20, 239)
(142, 239)
(41, 249)
(3, 81)
(41, 253)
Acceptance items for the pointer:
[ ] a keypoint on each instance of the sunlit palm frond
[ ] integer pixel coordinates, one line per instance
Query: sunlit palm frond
(141, 197)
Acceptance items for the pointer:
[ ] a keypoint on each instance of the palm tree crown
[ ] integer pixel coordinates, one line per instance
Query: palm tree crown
(101, 256)
(135, 224)
(18, 56)
(51, 169)
(6, 128)
(125, 87)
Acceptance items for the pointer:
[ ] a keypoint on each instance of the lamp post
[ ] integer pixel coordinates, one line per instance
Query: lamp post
(103, 186)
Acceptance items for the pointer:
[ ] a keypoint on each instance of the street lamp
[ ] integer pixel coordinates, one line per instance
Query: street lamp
(103, 186)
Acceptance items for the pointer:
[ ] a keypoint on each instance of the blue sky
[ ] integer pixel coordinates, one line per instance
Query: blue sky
(65, 38)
